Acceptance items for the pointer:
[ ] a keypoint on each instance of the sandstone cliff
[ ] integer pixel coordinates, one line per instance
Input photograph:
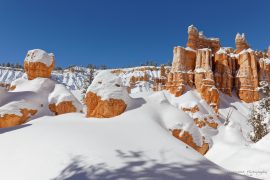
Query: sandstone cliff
(197, 40)
(246, 80)
(223, 71)
(210, 67)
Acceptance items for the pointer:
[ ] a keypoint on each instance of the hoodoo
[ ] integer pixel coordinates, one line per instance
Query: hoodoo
(106, 96)
(38, 63)
(212, 68)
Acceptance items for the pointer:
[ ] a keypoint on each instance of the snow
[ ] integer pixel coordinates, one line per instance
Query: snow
(107, 85)
(249, 50)
(2, 90)
(35, 94)
(190, 49)
(7, 75)
(205, 49)
(265, 60)
(199, 70)
(192, 27)
(221, 51)
(61, 94)
(240, 36)
(39, 55)
(134, 145)
(15, 107)
(71, 145)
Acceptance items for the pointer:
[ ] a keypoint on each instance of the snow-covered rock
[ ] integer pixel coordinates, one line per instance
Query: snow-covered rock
(38, 63)
(63, 101)
(135, 145)
(106, 96)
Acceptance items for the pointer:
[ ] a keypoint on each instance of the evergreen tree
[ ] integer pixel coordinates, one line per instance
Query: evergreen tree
(260, 114)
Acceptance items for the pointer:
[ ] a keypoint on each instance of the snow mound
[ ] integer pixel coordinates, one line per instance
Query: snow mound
(15, 107)
(39, 55)
(135, 145)
(107, 85)
(2, 90)
(61, 94)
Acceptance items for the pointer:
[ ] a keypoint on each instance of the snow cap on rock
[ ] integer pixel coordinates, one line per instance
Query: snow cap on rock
(39, 55)
(107, 85)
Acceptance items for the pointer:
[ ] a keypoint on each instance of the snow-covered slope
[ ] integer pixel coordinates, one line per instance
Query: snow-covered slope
(72, 80)
(7, 75)
(76, 77)
(134, 145)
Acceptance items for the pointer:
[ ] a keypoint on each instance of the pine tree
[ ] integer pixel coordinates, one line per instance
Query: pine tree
(88, 81)
(260, 114)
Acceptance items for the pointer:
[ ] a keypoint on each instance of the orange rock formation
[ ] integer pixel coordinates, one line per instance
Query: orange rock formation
(103, 108)
(246, 80)
(62, 108)
(10, 120)
(38, 64)
(196, 40)
(187, 138)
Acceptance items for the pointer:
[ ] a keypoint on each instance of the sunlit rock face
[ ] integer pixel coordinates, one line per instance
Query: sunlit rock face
(246, 80)
(264, 65)
(62, 101)
(197, 40)
(223, 71)
(38, 63)
(240, 43)
(204, 78)
(187, 138)
(182, 70)
(10, 120)
(106, 97)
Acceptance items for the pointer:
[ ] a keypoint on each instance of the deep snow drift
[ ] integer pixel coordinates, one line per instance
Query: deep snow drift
(134, 145)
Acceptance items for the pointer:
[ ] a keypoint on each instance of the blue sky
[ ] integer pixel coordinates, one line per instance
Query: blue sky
(124, 32)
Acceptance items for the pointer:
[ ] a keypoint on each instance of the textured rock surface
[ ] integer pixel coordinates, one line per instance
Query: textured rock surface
(182, 70)
(61, 101)
(197, 40)
(247, 77)
(10, 120)
(223, 72)
(187, 138)
(106, 96)
(38, 63)
(264, 66)
(204, 79)
(103, 108)
(212, 68)
(240, 43)
(62, 108)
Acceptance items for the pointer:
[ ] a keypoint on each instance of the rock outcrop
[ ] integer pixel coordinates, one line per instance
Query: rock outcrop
(187, 138)
(62, 101)
(10, 120)
(204, 79)
(38, 63)
(196, 40)
(106, 97)
(16, 113)
(223, 69)
(246, 80)
(96, 107)
(240, 43)
(212, 68)
(264, 66)
(182, 70)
